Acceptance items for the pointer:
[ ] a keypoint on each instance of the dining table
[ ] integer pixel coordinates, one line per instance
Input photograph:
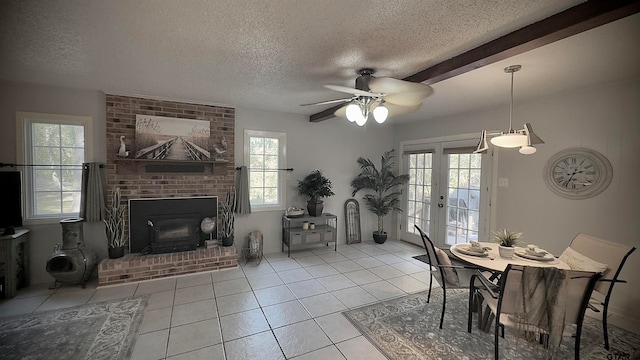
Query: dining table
(492, 261)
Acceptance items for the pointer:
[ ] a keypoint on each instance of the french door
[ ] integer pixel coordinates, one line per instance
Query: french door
(448, 193)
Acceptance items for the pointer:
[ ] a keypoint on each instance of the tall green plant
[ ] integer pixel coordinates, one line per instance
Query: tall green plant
(383, 183)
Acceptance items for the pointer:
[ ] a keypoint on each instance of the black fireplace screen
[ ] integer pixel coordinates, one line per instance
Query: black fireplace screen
(173, 234)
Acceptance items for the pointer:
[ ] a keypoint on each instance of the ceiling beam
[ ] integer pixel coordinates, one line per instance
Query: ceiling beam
(567, 23)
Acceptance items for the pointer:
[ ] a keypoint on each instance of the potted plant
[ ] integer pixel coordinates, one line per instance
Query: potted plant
(115, 226)
(316, 187)
(506, 240)
(383, 183)
(227, 218)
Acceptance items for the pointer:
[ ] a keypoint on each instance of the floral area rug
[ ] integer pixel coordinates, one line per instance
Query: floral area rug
(97, 331)
(407, 328)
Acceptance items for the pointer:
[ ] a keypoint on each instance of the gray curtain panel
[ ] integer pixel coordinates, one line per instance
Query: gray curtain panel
(92, 201)
(243, 204)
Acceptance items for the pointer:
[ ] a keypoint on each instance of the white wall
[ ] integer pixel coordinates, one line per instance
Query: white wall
(603, 118)
(44, 99)
(331, 146)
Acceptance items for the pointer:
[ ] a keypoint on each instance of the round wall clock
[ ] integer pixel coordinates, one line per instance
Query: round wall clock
(578, 173)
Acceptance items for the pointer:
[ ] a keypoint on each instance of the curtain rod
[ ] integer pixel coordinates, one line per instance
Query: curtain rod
(287, 169)
(33, 165)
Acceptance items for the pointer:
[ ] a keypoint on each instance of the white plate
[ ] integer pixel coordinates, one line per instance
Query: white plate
(523, 253)
(464, 250)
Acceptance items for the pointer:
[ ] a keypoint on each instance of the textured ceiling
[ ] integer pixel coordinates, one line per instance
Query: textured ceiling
(277, 54)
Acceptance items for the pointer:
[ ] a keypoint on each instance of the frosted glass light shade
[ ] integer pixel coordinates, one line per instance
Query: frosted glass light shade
(509, 140)
(360, 121)
(353, 112)
(527, 150)
(380, 113)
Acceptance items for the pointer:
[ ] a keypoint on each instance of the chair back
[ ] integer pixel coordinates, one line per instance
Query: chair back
(434, 262)
(578, 288)
(606, 252)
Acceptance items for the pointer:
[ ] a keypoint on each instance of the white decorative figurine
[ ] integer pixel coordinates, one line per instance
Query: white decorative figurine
(122, 152)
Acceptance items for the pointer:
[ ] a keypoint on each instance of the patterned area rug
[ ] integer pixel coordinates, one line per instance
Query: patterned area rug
(96, 331)
(407, 328)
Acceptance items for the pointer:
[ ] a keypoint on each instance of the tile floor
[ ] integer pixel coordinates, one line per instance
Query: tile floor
(285, 308)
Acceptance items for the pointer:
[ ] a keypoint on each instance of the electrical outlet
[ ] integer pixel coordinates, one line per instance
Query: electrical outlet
(503, 182)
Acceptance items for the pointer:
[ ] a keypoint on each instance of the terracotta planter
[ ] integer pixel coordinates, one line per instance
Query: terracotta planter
(506, 251)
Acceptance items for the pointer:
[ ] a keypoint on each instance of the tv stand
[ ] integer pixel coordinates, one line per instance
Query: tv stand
(14, 253)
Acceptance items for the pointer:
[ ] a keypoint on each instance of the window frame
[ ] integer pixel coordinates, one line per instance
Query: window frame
(282, 161)
(24, 151)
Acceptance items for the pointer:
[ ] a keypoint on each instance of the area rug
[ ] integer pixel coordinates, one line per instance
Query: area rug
(407, 328)
(97, 331)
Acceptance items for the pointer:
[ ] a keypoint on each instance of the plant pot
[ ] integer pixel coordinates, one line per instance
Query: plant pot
(116, 252)
(315, 208)
(506, 251)
(227, 241)
(379, 238)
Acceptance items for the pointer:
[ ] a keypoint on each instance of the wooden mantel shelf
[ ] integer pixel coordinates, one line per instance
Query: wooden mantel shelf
(131, 165)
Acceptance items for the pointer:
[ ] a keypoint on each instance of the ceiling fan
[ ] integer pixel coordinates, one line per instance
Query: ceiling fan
(380, 97)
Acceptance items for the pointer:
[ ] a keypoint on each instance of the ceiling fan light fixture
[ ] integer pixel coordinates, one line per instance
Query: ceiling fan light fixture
(380, 113)
(361, 120)
(353, 112)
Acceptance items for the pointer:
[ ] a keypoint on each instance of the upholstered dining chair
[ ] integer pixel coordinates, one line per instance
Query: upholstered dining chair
(601, 255)
(448, 275)
(534, 300)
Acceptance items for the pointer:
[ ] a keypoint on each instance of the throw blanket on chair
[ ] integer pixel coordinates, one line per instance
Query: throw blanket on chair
(541, 304)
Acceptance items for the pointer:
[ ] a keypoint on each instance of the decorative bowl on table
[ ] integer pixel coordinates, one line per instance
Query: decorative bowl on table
(294, 212)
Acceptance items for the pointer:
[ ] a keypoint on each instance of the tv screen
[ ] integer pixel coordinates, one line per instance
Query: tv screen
(11, 200)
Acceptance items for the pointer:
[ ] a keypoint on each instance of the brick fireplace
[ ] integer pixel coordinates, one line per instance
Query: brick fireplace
(137, 180)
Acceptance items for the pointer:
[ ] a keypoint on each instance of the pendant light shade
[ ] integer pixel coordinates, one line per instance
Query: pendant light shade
(524, 138)
(380, 113)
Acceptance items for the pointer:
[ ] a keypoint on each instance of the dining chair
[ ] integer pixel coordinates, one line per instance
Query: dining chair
(448, 275)
(614, 255)
(534, 300)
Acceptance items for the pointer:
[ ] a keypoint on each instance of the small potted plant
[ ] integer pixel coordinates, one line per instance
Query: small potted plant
(115, 225)
(316, 186)
(384, 185)
(227, 218)
(506, 240)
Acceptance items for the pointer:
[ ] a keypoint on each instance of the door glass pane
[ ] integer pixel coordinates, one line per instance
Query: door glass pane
(463, 199)
(419, 193)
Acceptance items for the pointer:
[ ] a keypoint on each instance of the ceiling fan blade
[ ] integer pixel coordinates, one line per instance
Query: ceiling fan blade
(353, 91)
(388, 85)
(407, 98)
(328, 102)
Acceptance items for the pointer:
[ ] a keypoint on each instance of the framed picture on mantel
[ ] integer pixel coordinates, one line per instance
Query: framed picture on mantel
(174, 139)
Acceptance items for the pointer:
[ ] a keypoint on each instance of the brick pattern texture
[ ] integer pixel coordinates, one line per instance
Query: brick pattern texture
(135, 182)
(136, 267)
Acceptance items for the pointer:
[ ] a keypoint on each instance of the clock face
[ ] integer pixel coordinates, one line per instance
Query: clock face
(578, 173)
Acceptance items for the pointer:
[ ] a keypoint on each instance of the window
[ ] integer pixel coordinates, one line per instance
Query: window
(54, 147)
(265, 156)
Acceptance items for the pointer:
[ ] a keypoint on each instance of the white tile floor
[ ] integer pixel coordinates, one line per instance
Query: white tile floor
(285, 308)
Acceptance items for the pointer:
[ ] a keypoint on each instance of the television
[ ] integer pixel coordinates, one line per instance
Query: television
(10, 201)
